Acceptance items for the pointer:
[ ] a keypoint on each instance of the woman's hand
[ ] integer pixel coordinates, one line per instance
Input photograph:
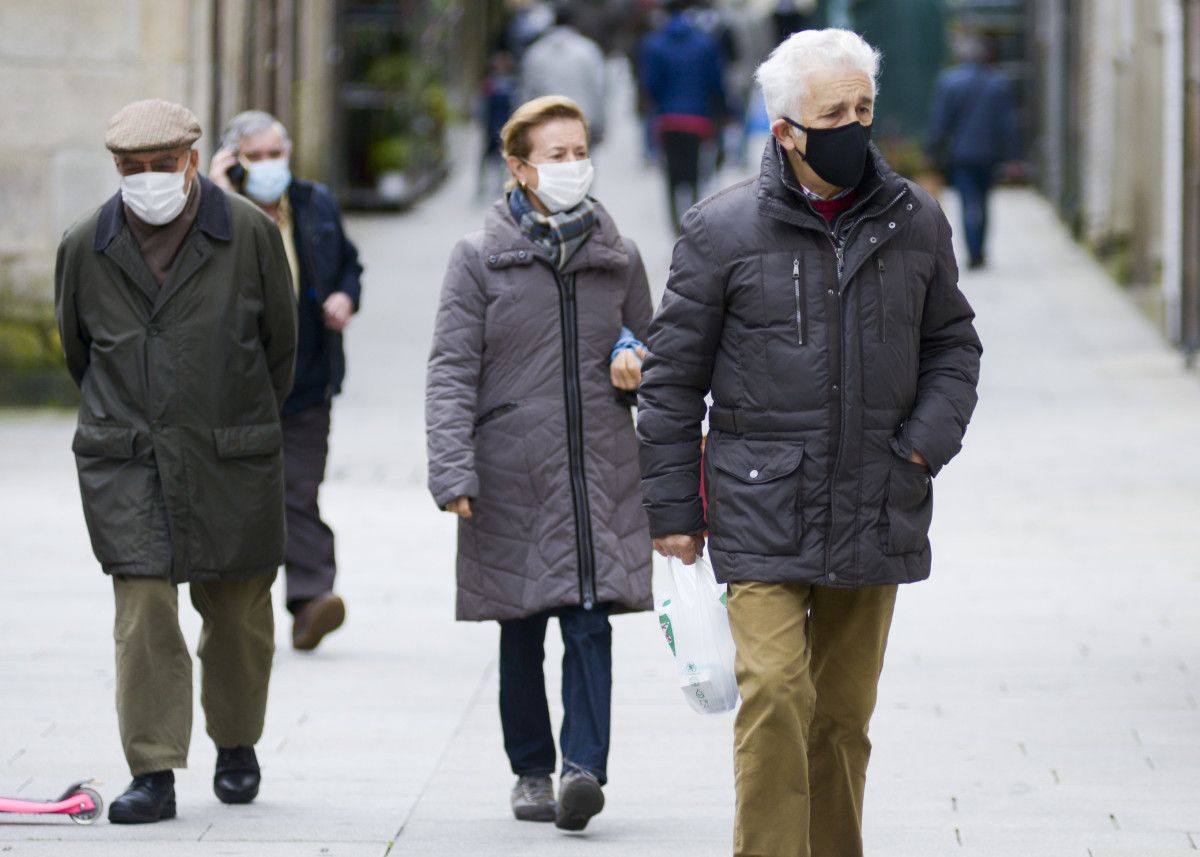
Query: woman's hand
(626, 369)
(460, 507)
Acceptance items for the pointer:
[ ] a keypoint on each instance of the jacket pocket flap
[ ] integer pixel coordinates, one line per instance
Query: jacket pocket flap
(104, 441)
(241, 441)
(757, 461)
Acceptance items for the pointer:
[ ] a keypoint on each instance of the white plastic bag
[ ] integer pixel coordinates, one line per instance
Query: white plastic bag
(691, 611)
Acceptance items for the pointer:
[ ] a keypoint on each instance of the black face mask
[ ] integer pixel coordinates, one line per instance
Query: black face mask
(838, 155)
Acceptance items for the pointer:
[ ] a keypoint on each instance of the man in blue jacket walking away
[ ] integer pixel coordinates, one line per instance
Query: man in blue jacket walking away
(972, 132)
(681, 72)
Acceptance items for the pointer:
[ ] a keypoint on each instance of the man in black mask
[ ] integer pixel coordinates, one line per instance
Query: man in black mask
(819, 305)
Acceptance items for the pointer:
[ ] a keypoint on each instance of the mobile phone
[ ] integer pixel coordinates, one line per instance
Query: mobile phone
(237, 175)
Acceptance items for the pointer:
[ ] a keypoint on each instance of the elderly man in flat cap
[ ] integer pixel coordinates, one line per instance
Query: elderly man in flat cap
(177, 318)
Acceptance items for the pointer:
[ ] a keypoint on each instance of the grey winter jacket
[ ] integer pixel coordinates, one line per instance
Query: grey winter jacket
(831, 355)
(521, 416)
(179, 448)
(566, 62)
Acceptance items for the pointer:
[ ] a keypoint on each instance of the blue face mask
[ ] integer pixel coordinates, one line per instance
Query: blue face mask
(267, 181)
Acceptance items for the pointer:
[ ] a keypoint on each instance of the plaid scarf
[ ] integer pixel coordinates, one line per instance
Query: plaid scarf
(557, 235)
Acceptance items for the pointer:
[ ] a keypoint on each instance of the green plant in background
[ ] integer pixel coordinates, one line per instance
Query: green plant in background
(32, 368)
(390, 154)
(390, 71)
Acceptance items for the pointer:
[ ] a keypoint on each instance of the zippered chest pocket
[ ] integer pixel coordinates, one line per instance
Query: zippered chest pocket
(899, 295)
(782, 297)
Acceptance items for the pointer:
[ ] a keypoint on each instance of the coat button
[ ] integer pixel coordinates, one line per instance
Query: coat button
(522, 255)
(836, 388)
(892, 225)
(492, 260)
(873, 239)
(833, 577)
(753, 474)
(153, 330)
(831, 293)
(908, 207)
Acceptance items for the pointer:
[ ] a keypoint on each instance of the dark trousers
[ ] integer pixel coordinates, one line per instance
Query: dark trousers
(308, 560)
(973, 183)
(681, 151)
(586, 692)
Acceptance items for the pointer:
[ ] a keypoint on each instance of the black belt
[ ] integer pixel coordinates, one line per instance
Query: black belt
(734, 421)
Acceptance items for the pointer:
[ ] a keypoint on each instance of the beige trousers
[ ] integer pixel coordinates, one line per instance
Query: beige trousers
(808, 665)
(154, 669)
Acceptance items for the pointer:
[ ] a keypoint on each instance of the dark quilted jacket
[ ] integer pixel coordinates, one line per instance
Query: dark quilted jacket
(534, 431)
(830, 355)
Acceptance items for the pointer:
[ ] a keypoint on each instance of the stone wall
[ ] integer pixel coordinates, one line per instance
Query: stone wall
(65, 67)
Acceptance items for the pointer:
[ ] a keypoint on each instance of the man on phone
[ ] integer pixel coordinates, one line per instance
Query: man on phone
(254, 160)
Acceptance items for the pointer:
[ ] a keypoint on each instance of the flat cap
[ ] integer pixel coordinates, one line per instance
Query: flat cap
(151, 126)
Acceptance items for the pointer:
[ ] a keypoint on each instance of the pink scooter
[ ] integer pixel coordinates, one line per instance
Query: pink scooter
(79, 803)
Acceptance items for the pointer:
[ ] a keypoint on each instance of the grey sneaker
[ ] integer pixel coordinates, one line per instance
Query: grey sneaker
(533, 799)
(579, 798)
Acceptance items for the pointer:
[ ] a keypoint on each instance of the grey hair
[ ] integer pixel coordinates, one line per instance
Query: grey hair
(251, 122)
(784, 76)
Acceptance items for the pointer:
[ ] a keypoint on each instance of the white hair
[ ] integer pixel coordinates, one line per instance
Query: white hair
(251, 122)
(784, 76)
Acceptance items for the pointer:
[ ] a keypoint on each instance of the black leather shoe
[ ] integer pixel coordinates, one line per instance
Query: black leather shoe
(237, 776)
(149, 798)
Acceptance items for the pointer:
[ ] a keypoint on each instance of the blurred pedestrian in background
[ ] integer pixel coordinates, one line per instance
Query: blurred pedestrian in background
(531, 443)
(683, 76)
(819, 305)
(565, 62)
(972, 134)
(254, 160)
(497, 98)
(176, 315)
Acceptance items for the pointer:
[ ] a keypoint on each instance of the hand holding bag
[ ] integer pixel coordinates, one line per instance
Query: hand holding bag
(691, 608)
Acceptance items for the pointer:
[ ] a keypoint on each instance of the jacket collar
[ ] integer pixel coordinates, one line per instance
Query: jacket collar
(504, 245)
(780, 195)
(214, 217)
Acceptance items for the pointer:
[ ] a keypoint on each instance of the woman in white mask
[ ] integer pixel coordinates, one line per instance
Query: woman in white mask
(531, 444)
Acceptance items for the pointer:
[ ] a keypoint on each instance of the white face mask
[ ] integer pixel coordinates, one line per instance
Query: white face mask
(156, 198)
(562, 186)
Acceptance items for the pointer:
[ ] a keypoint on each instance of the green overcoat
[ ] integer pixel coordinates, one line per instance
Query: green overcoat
(179, 447)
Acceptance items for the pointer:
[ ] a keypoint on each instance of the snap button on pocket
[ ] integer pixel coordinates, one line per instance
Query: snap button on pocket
(493, 259)
(891, 226)
(873, 239)
(753, 474)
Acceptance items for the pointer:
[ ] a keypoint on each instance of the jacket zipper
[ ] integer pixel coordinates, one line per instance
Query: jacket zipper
(799, 302)
(839, 249)
(569, 318)
(882, 310)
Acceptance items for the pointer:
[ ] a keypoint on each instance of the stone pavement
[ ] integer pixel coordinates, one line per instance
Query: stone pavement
(1041, 692)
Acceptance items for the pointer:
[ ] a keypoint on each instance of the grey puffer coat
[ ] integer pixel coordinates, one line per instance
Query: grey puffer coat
(831, 355)
(522, 417)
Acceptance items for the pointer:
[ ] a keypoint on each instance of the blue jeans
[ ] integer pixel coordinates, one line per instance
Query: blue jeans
(586, 692)
(973, 183)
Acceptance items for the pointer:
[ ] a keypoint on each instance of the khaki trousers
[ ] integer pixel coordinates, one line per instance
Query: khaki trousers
(154, 669)
(808, 665)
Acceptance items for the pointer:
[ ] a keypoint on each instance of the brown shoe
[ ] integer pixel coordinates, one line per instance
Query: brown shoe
(321, 616)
